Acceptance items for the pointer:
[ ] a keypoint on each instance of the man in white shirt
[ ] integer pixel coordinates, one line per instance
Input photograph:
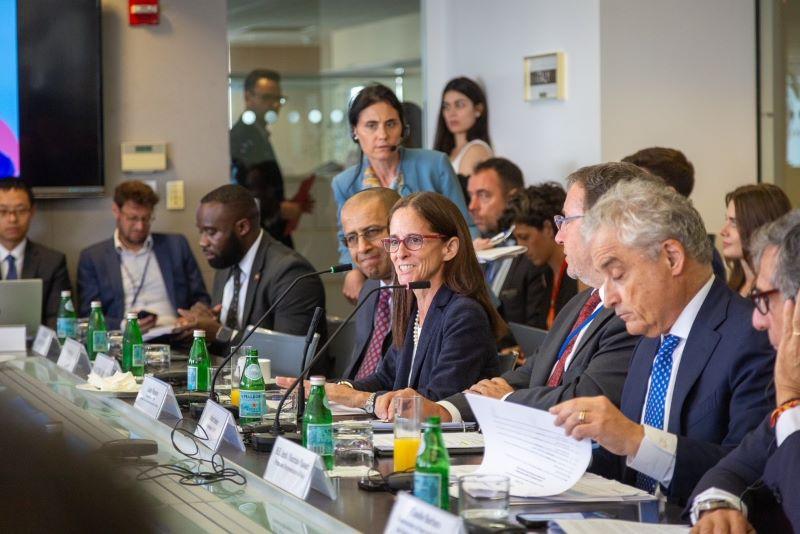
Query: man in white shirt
(139, 270)
(727, 498)
(587, 350)
(22, 258)
(698, 379)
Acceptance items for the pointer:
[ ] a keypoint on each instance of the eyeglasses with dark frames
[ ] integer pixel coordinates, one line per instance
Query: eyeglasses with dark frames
(760, 299)
(411, 241)
(371, 234)
(560, 220)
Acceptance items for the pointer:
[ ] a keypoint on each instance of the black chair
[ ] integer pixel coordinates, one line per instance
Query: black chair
(341, 348)
(528, 337)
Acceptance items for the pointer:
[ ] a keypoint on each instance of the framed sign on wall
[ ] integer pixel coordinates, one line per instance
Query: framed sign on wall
(546, 77)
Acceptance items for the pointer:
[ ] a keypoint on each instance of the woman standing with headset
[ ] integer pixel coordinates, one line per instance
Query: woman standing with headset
(378, 126)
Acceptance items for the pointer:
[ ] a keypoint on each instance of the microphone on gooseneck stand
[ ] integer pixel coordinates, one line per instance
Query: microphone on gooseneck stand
(269, 440)
(312, 329)
(330, 270)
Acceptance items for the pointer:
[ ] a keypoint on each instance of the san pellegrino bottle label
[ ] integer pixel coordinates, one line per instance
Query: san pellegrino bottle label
(137, 355)
(428, 487)
(100, 341)
(251, 403)
(68, 305)
(253, 372)
(191, 378)
(66, 327)
(319, 438)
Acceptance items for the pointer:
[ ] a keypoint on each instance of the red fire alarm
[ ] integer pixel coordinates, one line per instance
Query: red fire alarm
(143, 12)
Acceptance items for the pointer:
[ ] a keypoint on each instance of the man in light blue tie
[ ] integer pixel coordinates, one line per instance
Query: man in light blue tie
(22, 258)
(700, 377)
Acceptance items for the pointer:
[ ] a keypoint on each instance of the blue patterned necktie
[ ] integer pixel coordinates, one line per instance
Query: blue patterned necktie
(12, 268)
(656, 397)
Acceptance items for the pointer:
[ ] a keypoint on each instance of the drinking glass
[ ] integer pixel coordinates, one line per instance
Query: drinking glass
(115, 343)
(352, 448)
(483, 496)
(157, 357)
(272, 398)
(407, 413)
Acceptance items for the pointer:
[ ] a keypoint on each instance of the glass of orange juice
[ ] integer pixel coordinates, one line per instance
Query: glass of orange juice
(237, 367)
(407, 413)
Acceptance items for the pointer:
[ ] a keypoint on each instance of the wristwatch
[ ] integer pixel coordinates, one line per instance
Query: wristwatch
(711, 504)
(369, 405)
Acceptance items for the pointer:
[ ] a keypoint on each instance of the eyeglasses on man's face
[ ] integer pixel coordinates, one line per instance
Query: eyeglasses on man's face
(560, 220)
(133, 219)
(371, 234)
(18, 213)
(761, 299)
(411, 241)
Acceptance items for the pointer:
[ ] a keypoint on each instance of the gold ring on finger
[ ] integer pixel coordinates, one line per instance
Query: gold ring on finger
(581, 417)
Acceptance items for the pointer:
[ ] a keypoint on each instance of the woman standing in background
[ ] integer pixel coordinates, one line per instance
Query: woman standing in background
(463, 129)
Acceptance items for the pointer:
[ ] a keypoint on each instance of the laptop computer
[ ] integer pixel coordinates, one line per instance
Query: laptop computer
(528, 337)
(285, 351)
(21, 303)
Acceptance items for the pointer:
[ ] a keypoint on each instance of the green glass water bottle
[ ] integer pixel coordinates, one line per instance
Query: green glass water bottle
(132, 347)
(251, 390)
(318, 422)
(432, 475)
(67, 322)
(199, 364)
(97, 334)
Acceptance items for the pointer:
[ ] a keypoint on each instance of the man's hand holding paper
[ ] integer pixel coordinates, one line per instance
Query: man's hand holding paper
(598, 419)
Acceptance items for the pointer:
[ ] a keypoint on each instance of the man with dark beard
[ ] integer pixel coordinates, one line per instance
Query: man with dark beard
(252, 270)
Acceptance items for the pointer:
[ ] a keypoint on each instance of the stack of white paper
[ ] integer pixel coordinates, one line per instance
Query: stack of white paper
(497, 253)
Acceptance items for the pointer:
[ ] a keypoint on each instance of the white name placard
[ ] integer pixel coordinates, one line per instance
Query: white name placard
(295, 469)
(45, 343)
(12, 338)
(219, 426)
(156, 398)
(411, 515)
(105, 365)
(73, 358)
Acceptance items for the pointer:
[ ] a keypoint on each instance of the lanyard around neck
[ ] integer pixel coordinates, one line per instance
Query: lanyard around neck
(137, 288)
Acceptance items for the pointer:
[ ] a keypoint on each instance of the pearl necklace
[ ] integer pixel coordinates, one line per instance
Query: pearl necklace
(417, 330)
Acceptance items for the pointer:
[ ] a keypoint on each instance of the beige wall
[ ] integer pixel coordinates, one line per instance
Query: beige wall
(163, 83)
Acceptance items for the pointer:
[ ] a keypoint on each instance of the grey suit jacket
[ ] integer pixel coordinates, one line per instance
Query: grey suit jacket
(599, 363)
(365, 320)
(51, 267)
(274, 268)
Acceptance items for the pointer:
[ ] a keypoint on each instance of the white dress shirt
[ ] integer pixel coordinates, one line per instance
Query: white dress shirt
(456, 415)
(245, 268)
(656, 455)
(18, 253)
(140, 267)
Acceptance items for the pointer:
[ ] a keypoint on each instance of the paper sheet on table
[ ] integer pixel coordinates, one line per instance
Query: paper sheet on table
(615, 526)
(524, 444)
(492, 254)
(594, 488)
(158, 331)
(341, 409)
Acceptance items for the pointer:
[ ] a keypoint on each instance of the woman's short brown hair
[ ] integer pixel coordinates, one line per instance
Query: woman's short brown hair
(462, 274)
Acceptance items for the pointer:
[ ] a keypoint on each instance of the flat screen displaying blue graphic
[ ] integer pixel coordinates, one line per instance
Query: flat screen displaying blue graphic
(9, 101)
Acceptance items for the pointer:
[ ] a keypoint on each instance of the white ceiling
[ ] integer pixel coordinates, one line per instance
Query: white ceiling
(301, 22)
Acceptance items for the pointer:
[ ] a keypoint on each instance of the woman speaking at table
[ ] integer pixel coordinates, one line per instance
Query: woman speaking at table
(378, 126)
(444, 337)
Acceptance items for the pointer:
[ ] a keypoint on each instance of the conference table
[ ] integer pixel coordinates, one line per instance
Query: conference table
(94, 418)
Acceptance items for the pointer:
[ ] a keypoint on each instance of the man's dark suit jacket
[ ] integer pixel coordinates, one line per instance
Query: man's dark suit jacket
(523, 298)
(738, 474)
(364, 321)
(99, 276)
(456, 349)
(274, 268)
(722, 390)
(782, 474)
(50, 266)
(598, 367)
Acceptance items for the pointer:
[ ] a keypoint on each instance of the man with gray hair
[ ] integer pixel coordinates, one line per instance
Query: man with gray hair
(697, 380)
(725, 499)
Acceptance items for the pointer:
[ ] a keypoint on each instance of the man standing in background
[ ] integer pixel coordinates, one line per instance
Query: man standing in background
(253, 157)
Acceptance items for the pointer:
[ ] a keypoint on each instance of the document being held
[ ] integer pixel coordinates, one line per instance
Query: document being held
(524, 444)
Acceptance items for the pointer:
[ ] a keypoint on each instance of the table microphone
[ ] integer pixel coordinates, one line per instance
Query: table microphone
(276, 427)
(330, 270)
